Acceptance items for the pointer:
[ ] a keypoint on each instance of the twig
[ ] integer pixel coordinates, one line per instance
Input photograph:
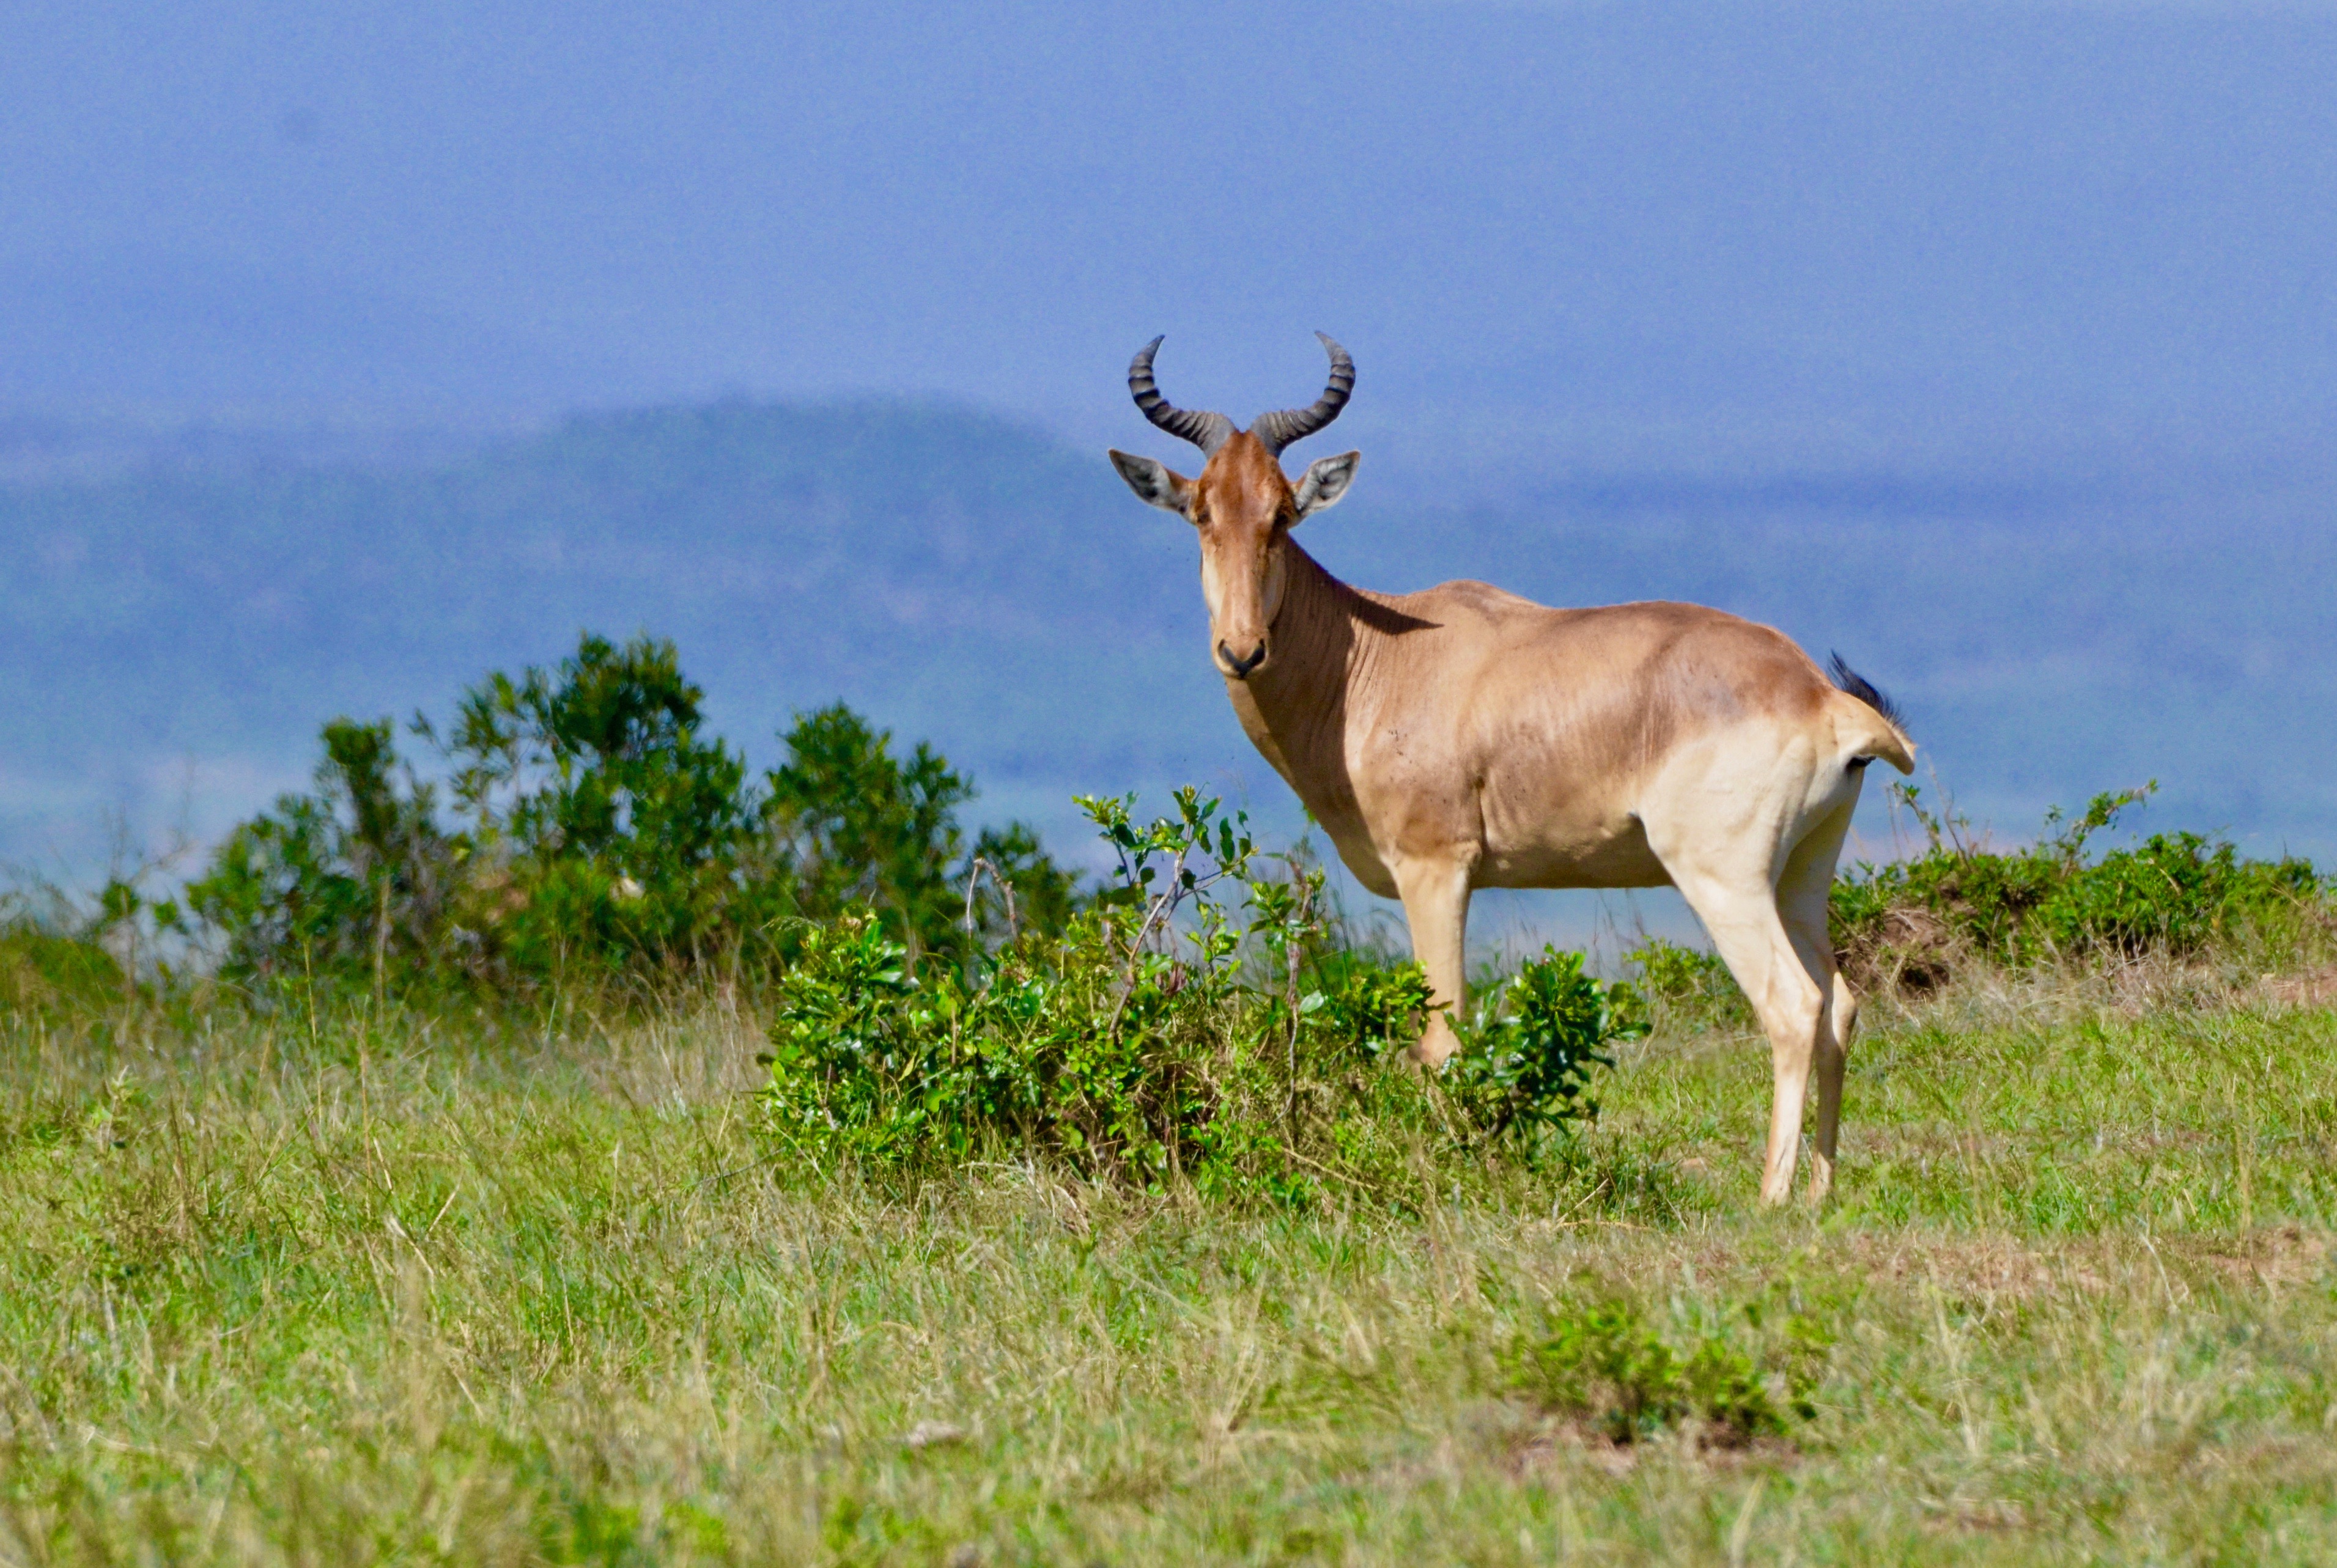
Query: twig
(1335, 1176)
(705, 1182)
(1290, 1004)
(1005, 889)
(1161, 903)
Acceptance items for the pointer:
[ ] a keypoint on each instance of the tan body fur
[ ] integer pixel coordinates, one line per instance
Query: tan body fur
(1462, 738)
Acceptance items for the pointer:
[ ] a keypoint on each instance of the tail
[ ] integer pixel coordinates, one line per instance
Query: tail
(1874, 729)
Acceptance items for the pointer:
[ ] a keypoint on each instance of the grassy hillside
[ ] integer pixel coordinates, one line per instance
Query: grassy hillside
(1126, 1235)
(355, 1288)
(180, 629)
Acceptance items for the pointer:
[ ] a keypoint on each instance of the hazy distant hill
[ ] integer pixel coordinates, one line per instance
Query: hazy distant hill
(179, 631)
(954, 574)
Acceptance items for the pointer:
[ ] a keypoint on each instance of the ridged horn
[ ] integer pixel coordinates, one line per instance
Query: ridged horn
(1280, 428)
(1205, 430)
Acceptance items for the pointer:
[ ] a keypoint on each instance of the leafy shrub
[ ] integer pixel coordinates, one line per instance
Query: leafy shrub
(1526, 1052)
(1605, 1363)
(1150, 1040)
(1912, 922)
(1525, 1060)
(852, 1052)
(1367, 1003)
(46, 965)
(869, 1059)
(599, 833)
(2177, 892)
(1115, 1046)
(602, 827)
(1688, 985)
(861, 829)
(356, 876)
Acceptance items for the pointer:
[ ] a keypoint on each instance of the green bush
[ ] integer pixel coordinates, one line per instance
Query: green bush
(1373, 1003)
(870, 1060)
(1525, 1059)
(1156, 1039)
(859, 830)
(46, 965)
(1912, 922)
(597, 834)
(1603, 1363)
(603, 829)
(1689, 987)
(1526, 1048)
(355, 877)
(1116, 1045)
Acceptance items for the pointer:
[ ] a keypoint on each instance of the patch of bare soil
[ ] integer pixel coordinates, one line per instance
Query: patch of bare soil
(1913, 954)
(2314, 989)
(1565, 1444)
(1955, 1514)
(2273, 1256)
(1989, 1267)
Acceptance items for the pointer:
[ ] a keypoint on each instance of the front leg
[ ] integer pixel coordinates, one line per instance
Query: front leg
(1435, 893)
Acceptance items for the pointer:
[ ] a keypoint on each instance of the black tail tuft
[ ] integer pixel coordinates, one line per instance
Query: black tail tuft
(1859, 687)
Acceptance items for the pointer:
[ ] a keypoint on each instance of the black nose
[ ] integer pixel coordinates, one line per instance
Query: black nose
(1242, 667)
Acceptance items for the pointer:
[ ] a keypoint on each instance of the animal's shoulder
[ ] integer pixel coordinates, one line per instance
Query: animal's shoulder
(1673, 622)
(1466, 595)
(1654, 620)
(1665, 632)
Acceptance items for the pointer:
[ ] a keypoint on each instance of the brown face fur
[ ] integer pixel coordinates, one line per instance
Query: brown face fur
(1243, 506)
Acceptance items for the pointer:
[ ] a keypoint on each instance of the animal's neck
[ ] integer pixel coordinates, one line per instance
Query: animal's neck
(1317, 630)
(1296, 709)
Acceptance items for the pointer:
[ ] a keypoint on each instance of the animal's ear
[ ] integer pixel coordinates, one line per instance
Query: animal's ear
(1154, 482)
(1326, 480)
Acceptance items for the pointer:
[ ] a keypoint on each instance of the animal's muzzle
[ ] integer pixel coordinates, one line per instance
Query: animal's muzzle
(1239, 668)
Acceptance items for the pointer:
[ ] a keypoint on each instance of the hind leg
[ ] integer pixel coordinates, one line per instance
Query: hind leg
(1724, 849)
(1804, 891)
(1740, 914)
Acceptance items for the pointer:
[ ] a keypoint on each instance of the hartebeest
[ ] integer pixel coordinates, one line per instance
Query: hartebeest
(1462, 738)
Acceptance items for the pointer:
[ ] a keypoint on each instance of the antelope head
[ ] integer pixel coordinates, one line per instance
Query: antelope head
(1241, 503)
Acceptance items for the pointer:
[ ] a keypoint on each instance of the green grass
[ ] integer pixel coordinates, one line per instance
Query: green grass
(340, 1292)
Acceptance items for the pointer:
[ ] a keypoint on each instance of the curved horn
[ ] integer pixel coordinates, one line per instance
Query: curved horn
(1206, 431)
(1279, 429)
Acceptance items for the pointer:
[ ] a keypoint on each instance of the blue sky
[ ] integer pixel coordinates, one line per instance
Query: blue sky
(1672, 233)
(2039, 297)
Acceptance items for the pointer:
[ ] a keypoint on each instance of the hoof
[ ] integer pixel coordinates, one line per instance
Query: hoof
(1821, 1179)
(1436, 1043)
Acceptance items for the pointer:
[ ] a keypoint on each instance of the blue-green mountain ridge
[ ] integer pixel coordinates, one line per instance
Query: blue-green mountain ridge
(176, 630)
